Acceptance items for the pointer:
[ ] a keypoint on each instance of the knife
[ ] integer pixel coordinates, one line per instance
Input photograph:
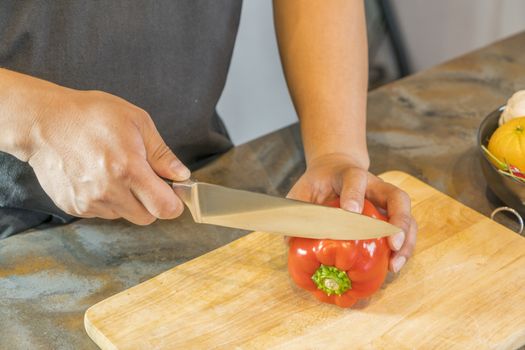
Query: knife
(223, 206)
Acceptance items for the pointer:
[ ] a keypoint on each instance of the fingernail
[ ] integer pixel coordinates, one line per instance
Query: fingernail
(180, 170)
(398, 240)
(352, 206)
(398, 263)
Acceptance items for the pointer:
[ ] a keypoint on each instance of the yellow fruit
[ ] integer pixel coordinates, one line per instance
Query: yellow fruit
(508, 143)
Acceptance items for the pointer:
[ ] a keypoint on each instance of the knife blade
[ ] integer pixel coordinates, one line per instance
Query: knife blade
(223, 206)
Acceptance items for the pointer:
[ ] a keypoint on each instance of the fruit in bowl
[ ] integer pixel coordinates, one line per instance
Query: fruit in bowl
(506, 146)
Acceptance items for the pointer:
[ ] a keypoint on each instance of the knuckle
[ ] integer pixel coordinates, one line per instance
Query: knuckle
(82, 211)
(404, 221)
(121, 170)
(97, 195)
(142, 115)
(161, 151)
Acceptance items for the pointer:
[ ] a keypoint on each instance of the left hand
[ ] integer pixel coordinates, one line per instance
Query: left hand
(339, 175)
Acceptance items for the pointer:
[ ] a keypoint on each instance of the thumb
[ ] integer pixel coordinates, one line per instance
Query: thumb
(300, 191)
(162, 160)
(353, 188)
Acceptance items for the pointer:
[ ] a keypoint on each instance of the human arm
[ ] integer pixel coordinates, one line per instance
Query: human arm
(323, 50)
(94, 154)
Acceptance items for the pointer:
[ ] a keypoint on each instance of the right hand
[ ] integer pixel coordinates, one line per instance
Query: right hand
(97, 155)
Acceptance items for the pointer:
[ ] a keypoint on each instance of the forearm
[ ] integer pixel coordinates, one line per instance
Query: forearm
(22, 101)
(324, 50)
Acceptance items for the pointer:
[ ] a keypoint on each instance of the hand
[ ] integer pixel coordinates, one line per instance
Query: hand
(337, 175)
(97, 155)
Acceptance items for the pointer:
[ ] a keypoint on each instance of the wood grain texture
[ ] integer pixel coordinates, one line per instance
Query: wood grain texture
(464, 288)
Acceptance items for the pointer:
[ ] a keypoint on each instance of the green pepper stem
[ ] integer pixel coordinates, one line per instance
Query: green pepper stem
(331, 280)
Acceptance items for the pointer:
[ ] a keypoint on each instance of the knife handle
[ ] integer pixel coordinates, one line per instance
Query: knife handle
(185, 190)
(185, 183)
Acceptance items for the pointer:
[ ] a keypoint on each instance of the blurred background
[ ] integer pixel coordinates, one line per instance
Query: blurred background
(405, 36)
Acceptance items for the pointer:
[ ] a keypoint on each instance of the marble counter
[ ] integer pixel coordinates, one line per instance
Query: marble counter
(425, 125)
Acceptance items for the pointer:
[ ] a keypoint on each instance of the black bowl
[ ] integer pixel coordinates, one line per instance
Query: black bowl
(508, 189)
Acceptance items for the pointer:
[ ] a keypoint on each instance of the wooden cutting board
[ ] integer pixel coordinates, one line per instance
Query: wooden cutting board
(464, 288)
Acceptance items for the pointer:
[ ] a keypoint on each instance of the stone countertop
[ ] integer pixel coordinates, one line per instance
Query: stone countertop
(424, 125)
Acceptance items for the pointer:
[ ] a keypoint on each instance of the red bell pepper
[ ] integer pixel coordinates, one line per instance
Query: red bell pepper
(340, 272)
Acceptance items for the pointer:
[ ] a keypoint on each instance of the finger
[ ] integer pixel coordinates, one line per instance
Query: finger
(319, 192)
(377, 191)
(353, 188)
(399, 259)
(128, 207)
(300, 191)
(86, 208)
(396, 202)
(122, 205)
(155, 195)
(160, 157)
(398, 208)
(396, 241)
(410, 241)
